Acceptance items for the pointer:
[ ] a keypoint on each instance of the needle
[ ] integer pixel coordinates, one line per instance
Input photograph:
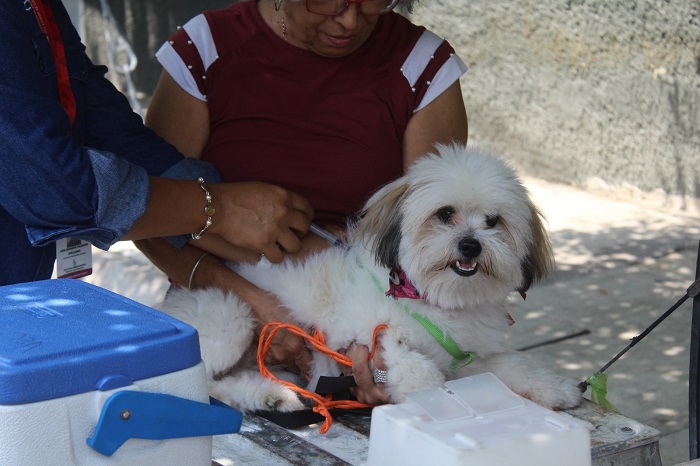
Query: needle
(334, 240)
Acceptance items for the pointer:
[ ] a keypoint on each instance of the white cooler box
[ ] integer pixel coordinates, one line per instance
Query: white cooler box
(88, 377)
(475, 421)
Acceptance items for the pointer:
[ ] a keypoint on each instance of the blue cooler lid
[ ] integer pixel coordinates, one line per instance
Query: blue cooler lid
(63, 337)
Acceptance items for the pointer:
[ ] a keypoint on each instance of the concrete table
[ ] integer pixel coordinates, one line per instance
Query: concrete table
(615, 440)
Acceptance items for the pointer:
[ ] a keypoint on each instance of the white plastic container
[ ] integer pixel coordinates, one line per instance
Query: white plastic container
(475, 421)
(89, 377)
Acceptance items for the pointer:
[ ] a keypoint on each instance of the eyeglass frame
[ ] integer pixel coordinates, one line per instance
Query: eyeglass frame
(392, 5)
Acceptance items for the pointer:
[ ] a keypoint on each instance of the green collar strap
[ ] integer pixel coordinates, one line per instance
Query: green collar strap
(459, 358)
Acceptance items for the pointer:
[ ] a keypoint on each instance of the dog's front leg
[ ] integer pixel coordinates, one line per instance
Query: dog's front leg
(247, 390)
(408, 370)
(322, 366)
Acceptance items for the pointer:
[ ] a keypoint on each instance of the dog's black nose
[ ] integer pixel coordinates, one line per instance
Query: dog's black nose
(470, 248)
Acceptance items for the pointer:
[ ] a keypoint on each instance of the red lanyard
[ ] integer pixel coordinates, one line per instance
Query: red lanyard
(47, 24)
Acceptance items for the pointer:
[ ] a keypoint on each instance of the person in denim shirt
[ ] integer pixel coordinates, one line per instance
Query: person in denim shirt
(105, 177)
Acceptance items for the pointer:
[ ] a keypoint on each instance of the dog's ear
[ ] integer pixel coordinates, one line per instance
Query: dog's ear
(386, 246)
(539, 260)
(381, 222)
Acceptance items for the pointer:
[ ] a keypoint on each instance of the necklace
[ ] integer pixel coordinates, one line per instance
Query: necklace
(278, 5)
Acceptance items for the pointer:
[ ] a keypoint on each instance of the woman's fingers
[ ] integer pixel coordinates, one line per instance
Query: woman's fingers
(367, 390)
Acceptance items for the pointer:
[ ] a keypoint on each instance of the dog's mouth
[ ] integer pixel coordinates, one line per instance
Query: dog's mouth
(465, 268)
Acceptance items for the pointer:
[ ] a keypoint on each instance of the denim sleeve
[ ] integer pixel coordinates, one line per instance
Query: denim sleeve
(89, 181)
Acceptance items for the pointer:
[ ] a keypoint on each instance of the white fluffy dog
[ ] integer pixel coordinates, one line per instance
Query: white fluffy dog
(460, 228)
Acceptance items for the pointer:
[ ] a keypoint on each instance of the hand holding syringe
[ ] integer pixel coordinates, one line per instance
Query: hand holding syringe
(334, 240)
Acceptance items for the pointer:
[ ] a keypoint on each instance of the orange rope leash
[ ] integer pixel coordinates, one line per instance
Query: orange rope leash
(322, 404)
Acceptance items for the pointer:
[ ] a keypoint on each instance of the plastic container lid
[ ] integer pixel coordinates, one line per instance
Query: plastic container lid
(63, 337)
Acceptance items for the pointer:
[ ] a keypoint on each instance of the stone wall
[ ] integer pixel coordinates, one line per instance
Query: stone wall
(585, 92)
(582, 91)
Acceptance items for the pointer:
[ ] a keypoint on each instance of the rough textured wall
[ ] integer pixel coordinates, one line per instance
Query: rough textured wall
(577, 90)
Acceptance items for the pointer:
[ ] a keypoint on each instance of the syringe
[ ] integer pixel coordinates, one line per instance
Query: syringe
(334, 240)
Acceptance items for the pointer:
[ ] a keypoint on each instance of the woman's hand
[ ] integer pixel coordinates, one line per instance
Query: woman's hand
(261, 217)
(287, 348)
(366, 391)
(310, 243)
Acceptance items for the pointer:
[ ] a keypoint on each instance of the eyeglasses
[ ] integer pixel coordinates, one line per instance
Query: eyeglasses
(366, 7)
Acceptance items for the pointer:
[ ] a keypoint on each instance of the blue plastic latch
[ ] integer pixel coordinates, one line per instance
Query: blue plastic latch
(157, 416)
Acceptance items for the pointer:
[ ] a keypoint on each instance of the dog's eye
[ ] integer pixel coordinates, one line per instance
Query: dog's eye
(492, 220)
(445, 214)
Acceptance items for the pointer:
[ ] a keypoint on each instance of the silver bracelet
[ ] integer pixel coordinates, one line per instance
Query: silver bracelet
(194, 268)
(208, 210)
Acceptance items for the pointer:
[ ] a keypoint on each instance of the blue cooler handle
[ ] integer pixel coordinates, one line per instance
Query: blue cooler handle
(157, 416)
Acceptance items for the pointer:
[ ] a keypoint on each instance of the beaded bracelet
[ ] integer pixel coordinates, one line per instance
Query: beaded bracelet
(208, 210)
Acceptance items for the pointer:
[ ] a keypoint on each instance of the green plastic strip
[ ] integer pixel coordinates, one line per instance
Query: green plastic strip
(599, 390)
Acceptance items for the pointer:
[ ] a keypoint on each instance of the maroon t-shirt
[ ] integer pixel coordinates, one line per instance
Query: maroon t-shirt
(330, 129)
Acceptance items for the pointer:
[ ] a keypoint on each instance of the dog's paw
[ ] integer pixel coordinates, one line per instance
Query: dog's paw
(250, 392)
(280, 398)
(556, 393)
(412, 375)
(538, 384)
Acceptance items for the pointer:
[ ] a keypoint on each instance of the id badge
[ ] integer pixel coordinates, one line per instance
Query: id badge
(73, 258)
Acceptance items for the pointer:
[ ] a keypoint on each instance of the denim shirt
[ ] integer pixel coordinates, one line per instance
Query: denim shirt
(89, 181)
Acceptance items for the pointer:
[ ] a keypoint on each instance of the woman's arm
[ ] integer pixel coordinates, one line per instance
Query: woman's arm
(444, 120)
(260, 217)
(179, 118)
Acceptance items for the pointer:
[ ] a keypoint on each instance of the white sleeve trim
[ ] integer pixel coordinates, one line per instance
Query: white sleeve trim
(450, 72)
(418, 60)
(199, 32)
(173, 64)
(420, 56)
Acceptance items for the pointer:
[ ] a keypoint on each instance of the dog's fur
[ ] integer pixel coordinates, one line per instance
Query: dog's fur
(461, 226)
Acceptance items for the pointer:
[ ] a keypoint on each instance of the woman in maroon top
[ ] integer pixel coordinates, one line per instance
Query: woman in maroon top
(330, 99)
